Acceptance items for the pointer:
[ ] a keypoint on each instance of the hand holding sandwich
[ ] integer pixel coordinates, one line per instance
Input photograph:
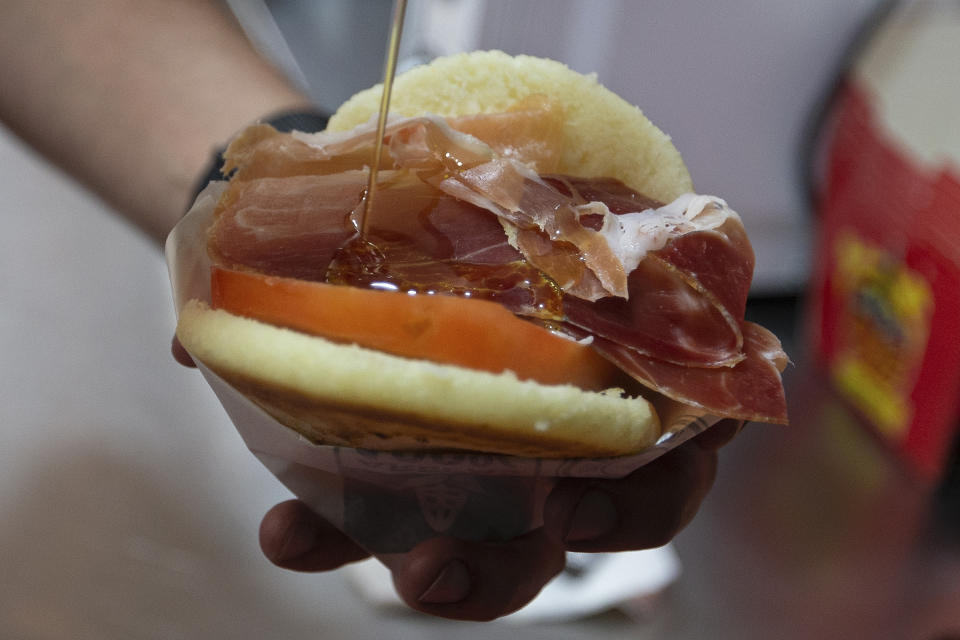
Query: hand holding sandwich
(481, 581)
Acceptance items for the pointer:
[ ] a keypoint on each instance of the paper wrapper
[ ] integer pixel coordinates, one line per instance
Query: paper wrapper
(390, 501)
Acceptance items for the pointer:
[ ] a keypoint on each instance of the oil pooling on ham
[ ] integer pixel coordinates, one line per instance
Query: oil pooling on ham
(661, 288)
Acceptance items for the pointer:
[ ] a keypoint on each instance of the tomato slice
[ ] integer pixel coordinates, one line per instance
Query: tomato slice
(477, 334)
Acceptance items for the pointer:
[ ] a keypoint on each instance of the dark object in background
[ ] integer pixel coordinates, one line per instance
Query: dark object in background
(779, 314)
(948, 496)
(947, 499)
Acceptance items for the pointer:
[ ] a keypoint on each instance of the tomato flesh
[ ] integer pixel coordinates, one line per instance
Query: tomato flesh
(476, 334)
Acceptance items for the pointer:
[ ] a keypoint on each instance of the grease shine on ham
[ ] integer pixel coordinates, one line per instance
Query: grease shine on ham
(659, 288)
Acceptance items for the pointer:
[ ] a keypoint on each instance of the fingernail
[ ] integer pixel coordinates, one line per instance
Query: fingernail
(451, 585)
(301, 537)
(594, 516)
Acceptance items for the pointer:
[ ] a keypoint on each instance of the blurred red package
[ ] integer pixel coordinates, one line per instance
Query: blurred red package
(885, 314)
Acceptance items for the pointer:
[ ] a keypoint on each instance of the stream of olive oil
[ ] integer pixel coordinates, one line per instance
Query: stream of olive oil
(389, 70)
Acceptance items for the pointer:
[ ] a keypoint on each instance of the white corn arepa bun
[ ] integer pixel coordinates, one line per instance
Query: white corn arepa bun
(604, 135)
(346, 395)
(351, 396)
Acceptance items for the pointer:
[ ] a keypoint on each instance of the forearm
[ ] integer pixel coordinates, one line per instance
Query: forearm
(131, 96)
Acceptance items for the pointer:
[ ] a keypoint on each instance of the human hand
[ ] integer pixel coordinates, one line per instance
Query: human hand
(451, 578)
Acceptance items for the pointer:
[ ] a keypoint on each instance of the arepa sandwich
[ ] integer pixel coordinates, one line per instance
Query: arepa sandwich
(535, 275)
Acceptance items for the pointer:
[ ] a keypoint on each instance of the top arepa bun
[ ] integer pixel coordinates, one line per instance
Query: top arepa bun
(603, 134)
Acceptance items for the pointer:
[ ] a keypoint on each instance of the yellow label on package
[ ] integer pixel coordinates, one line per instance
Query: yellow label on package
(883, 333)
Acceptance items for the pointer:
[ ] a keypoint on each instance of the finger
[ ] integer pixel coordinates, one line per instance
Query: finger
(180, 354)
(293, 537)
(719, 435)
(643, 510)
(475, 581)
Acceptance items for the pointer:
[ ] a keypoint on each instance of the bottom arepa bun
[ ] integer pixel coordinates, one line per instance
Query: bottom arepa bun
(337, 394)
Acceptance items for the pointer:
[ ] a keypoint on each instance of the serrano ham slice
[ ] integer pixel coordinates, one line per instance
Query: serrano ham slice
(751, 390)
(289, 226)
(426, 241)
(660, 289)
(527, 133)
(664, 317)
(261, 151)
(602, 259)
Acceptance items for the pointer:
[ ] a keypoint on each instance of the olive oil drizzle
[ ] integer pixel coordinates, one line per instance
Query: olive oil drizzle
(389, 71)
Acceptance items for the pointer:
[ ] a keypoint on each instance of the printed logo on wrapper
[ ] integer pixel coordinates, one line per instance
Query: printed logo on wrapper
(390, 501)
